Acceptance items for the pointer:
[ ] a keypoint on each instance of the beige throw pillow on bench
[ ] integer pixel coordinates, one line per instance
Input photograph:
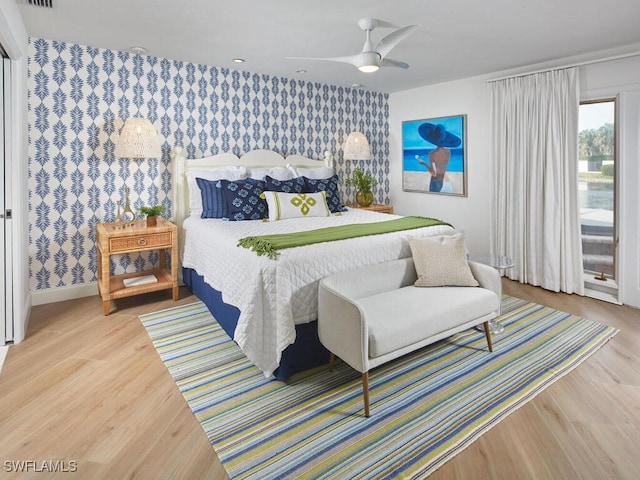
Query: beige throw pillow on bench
(441, 261)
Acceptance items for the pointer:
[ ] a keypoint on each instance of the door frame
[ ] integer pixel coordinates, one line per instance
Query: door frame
(6, 234)
(6, 281)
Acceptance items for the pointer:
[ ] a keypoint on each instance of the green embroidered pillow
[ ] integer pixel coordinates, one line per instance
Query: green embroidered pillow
(283, 205)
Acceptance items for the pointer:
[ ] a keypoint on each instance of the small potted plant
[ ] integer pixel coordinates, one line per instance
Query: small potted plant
(152, 214)
(364, 183)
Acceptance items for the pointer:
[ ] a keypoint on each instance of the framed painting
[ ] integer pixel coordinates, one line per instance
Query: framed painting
(434, 155)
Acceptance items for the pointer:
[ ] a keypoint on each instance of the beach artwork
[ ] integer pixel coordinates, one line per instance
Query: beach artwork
(433, 155)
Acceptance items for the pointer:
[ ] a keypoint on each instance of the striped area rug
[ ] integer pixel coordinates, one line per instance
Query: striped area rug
(425, 407)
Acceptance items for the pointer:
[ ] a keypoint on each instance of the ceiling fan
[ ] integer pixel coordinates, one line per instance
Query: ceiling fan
(371, 58)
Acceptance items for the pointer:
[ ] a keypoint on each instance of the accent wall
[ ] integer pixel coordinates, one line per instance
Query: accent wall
(79, 98)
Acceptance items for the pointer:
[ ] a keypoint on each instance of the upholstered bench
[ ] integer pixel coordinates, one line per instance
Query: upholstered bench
(374, 314)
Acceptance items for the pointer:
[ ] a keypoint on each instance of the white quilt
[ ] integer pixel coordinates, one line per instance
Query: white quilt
(274, 295)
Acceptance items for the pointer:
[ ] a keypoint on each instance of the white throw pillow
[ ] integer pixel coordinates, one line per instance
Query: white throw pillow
(213, 174)
(283, 205)
(441, 261)
(315, 173)
(279, 173)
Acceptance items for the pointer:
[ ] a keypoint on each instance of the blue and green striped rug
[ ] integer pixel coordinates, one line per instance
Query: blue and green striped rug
(425, 407)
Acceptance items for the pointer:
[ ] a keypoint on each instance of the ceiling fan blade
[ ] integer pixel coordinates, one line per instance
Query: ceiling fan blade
(349, 59)
(383, 24)
(387, 62)
(388, 42)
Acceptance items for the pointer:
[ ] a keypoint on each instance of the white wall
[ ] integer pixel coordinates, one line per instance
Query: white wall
(470, 213)
(13, 38)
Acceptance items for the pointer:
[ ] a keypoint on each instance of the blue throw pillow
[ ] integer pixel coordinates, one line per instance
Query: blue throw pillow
(294, 185)
(242, 199)
(329, 185)
(212, 199)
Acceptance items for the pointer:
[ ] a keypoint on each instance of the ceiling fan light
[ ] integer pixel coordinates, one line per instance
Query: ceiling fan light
(368, 62)
(369, 68)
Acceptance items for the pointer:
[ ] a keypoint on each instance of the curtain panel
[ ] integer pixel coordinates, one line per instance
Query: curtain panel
(534, 151)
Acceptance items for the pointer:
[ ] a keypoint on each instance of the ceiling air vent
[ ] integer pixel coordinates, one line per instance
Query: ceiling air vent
(41, 3)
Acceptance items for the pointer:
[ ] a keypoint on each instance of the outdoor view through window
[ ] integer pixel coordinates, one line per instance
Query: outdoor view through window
(596, 144)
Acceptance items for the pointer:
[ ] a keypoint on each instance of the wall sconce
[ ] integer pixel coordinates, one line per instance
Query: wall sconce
(356, 147)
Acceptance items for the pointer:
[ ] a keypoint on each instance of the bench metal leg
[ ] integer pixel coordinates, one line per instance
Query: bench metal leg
(487, 332)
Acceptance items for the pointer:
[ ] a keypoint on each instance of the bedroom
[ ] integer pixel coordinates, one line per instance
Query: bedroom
(446, 97)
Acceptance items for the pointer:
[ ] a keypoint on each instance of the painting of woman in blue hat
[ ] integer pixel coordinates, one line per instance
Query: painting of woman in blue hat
(434, 148)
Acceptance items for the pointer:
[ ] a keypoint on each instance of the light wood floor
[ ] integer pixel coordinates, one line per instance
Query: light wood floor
(91, 389)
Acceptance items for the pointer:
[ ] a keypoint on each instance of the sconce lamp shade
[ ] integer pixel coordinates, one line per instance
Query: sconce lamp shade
(138, 139)
(356, 147)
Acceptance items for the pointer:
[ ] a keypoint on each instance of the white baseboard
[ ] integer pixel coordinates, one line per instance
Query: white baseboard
(51, 295)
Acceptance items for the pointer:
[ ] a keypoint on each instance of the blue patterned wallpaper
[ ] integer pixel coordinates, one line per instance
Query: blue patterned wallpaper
(79, 98)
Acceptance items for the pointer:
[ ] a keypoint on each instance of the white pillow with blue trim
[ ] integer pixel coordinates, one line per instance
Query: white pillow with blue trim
(284, 205)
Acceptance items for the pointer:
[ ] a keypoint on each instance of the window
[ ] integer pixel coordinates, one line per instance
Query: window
(597, 171)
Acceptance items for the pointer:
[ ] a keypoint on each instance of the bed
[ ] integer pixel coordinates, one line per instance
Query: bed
(269, 305)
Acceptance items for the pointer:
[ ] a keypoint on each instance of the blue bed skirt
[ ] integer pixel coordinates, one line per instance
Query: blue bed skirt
(307, 351)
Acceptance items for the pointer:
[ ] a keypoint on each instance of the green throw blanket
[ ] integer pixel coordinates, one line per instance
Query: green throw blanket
(270, 244)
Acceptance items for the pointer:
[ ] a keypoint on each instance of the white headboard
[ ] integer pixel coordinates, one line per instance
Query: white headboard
(255, 158)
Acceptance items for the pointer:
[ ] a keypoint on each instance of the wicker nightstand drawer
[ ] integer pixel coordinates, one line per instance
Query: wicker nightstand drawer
(140, 241)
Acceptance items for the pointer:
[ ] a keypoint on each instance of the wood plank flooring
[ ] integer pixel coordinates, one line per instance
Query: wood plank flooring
(91, 389)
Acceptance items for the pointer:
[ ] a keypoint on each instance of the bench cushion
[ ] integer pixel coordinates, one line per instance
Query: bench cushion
(402, 317)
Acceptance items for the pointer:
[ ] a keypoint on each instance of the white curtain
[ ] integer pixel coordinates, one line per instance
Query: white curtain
(536, 213)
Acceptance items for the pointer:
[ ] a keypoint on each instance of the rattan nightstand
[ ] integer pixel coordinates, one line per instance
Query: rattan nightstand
(114, 239)
(375, 207)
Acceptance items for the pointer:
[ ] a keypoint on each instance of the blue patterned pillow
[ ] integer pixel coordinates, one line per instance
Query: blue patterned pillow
(295, 185)
(242, 199)
(329, 185)
(212, 199)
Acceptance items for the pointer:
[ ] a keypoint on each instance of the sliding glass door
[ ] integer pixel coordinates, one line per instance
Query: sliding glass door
(597, 153)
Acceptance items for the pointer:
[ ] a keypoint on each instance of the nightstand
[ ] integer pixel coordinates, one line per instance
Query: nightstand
(114, 239)
(374, 207)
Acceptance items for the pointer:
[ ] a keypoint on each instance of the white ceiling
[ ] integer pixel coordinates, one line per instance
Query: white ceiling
(457, 38)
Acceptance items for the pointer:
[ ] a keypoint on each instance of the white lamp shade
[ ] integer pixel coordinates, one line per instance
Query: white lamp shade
(356, 147)
(138, 139)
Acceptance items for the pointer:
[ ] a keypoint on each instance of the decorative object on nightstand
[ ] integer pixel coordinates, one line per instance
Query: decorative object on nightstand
(152, 214)
(112, 240)
(118, 213)
(364, 182)
(125, 217)
(127, 213)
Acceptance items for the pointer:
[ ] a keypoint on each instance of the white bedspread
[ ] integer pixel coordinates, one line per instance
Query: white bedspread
(274, 295)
